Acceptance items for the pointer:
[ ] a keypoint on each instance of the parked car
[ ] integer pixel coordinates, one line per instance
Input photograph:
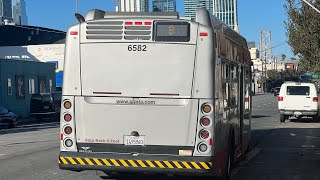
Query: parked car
(7, 118)
(45, 105)
(298, 99)
(276, 91)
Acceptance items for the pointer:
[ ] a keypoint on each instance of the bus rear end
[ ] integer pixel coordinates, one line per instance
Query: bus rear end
(131, 102)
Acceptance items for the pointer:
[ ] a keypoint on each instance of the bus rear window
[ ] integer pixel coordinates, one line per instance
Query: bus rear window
(172, 31)
(298, 90)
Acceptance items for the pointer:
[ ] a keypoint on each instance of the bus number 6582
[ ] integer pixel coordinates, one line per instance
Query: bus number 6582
(137, 48)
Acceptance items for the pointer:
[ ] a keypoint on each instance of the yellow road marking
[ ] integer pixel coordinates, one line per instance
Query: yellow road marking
(63, 160)
(80, 161)
(195, 165)
(159, 164)
(168, 164)
(89, 162)
(97, 161)
(114, 162)
(204, 165)
(177, 164)
(132, 163)
(141, 163)
(106, 162)
(59, 161)
(71, 160)
(123, 162)
(210, 164)
(186, 165)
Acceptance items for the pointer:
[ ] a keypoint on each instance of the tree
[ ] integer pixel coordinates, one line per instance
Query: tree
(303, 31)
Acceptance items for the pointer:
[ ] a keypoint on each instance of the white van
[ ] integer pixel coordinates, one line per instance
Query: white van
(298, 99)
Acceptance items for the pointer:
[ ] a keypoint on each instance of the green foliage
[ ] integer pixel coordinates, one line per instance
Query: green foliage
(303, 31)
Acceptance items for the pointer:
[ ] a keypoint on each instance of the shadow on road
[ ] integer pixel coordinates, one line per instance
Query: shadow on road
(259, 116)
(32, 126)
(304, 120)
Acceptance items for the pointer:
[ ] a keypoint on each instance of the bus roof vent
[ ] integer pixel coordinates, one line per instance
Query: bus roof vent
(137, 32)
(118, 30)
(95, 14)
(108, 30)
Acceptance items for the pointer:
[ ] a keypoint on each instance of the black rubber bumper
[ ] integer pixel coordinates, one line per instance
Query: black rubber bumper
(178, 165)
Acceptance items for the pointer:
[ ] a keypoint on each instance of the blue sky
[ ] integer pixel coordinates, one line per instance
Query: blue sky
(254, 15)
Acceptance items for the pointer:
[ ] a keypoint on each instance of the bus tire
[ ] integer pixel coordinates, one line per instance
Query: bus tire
(230, 159)
(282, 118)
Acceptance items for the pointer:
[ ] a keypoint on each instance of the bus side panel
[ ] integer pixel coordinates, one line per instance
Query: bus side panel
(204, 71)
(71, 77)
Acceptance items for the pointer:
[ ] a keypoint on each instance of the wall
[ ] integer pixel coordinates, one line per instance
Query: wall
(20, 72)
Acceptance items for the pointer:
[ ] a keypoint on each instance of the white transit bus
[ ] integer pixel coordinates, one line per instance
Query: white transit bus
(154, 93)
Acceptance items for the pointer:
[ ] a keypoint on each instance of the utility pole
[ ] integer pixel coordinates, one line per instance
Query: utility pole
(265, 52)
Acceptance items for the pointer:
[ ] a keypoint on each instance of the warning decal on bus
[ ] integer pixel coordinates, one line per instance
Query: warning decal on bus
(76, 161)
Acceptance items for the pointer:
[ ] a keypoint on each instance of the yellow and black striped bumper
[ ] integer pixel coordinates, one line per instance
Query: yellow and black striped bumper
(134, 164)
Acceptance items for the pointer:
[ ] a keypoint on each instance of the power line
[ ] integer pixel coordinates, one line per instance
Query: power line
(275, 46)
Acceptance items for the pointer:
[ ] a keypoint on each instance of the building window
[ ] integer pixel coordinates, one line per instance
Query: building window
(31, 86)
(50, 84)
(9, 86)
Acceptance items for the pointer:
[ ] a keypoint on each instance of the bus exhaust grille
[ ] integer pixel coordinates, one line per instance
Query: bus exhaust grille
(116, 30)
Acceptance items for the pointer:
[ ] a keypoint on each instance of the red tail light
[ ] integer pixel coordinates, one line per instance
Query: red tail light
(280, 98)
(147, 23)
(73, 33)
(128, 23)
(203, 34)
(138, 23)
(68, 130)
(205, 121)
(67, 117)
(204, 134)
(315, 99)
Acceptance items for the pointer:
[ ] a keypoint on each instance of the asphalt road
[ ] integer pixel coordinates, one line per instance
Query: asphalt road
(289, 150)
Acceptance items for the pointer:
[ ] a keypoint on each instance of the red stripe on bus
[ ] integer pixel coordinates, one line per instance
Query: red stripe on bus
(163, 94)
(107, 93)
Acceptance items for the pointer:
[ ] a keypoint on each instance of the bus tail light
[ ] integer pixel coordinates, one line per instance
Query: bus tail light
(67, 104)
(203, 34)
(68, 143)
(74, 33)
(68, 130)
(206, 108)
(205, 121)
(203, 147)
(315, 99)
(67, 117)
(204, 134)
(67, 124)
(280, 98)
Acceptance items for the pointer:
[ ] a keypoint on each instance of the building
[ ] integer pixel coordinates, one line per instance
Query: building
(190, 7)
(19, 79)
(19, 12)
(32, 43)
(132, 6)
(164, 5)
(11, 35)
(5, 10)
(227, 11)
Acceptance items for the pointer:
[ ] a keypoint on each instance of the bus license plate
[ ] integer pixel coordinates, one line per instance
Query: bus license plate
(134, 140)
